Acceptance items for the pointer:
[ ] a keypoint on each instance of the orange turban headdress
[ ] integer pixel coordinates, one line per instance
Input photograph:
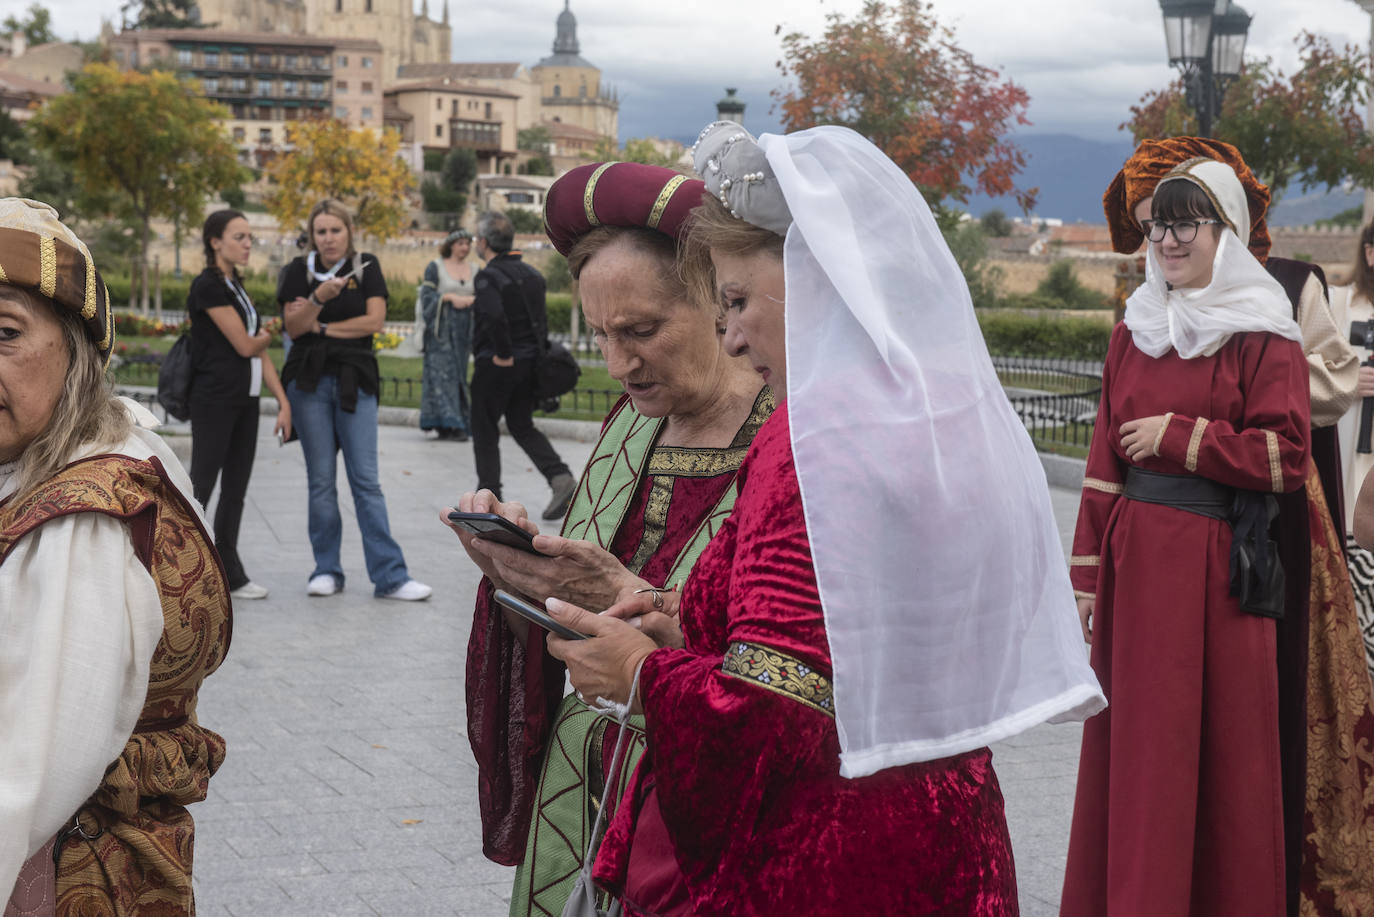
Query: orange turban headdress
(1153, 160)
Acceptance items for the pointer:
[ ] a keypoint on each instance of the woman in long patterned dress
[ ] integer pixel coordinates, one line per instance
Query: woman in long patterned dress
(114, 606)
(446, 335)
(888, 596)
(658, 485)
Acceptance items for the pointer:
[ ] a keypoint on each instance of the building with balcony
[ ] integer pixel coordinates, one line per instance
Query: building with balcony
(406, 37)
(267, 80)
(445, 114)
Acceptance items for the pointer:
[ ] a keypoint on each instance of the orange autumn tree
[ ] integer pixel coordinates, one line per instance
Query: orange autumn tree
(895, 75)
(359, 167)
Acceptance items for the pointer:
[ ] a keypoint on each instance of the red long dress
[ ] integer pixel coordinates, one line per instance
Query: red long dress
(1179, 803)
(739, 788)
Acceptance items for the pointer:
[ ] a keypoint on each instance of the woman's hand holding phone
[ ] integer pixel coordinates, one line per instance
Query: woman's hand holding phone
(484, 501)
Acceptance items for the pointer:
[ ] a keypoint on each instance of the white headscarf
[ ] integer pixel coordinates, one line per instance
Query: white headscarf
(946, 597)
(1242, 296)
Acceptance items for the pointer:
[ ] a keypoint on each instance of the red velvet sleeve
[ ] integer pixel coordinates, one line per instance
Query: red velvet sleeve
(721, 744)
(1103, 482)
(513, 692)
(1268, 450)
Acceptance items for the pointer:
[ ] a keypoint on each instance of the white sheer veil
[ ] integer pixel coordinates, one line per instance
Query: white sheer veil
(947, 601)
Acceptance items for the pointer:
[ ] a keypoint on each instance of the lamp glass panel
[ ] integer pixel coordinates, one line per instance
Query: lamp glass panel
(1187, 37)
(1228, 54)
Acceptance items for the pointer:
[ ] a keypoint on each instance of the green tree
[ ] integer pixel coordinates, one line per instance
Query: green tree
(1305, 128)
(36, 25)
(1349, 219)
(996, 224)
(895, 75)
(537, 165)
(356, 166)
(178, 156)
(640, 149)
(459, 172)
(1062, 287)
(525, 220)
(161, 14)
(535, 139)
(970, 249)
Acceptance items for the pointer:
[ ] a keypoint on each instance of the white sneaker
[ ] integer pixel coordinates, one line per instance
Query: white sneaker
(409, 591)
(324, 584)
(249, 591)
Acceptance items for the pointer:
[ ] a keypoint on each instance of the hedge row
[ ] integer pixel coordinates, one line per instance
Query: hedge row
(263, 291)
(1038, 335)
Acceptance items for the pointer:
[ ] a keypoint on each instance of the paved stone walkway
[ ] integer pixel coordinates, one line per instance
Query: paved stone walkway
(349, 786)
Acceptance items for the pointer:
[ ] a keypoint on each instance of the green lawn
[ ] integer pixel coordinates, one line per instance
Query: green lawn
(400, 375)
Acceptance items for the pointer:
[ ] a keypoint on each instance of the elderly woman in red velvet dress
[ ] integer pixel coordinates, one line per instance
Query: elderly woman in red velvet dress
(858, 632)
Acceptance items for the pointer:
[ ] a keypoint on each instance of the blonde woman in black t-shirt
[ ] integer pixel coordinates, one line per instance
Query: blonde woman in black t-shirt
(227, 347)
(333, 301)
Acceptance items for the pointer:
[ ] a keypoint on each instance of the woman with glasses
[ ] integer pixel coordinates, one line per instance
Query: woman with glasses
(1204, 418)
(228, 344)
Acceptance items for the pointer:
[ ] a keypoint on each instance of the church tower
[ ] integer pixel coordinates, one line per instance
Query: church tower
(570, 86)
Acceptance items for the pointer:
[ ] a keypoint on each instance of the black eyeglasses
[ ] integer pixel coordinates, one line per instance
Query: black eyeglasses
(1184, 231)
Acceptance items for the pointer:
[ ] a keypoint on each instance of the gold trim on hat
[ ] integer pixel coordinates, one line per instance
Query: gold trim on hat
(4, 278)
(108, 340)
(47, 266)
(1180, 173)
(664, 197)
(88, 310)
(590, 189)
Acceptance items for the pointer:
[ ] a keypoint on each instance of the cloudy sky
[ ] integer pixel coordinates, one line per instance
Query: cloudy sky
(1084, 62)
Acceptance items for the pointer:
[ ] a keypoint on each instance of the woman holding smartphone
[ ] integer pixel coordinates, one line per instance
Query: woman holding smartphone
(228, 344)
(333, 302)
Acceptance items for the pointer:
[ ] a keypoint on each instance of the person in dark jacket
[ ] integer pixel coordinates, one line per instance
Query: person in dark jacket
(511, 325)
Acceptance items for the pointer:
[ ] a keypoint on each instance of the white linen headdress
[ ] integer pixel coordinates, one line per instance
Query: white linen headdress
(1241, 296)
(946, 597)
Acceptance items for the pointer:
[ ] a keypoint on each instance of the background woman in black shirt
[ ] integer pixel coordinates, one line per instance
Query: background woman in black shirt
(333, 302)
(227, 346)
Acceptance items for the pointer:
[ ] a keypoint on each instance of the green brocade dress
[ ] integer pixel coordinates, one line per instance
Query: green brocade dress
(655, 508)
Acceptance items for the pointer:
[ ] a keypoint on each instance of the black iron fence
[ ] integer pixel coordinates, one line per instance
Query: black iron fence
(1055, 399)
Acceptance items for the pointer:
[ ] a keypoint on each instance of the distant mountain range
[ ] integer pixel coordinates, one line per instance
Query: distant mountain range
(1073, 172)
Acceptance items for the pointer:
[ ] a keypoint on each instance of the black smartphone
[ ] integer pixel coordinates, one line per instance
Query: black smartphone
(536, 615)
(495, 528)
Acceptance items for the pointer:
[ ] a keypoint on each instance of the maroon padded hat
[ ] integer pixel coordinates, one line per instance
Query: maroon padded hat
(618, 194)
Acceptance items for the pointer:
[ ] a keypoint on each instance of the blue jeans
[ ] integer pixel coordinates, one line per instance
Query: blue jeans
(325, 429)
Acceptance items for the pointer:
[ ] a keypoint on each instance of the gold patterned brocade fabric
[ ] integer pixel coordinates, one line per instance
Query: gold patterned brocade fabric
(1337, 873)
(139, 864)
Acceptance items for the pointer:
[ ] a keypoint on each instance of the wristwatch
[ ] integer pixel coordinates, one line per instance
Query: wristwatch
(323, 325)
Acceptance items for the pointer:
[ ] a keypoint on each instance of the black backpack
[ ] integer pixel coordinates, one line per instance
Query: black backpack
(174, 379)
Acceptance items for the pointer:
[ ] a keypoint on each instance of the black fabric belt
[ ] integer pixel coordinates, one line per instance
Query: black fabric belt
(1257, 578)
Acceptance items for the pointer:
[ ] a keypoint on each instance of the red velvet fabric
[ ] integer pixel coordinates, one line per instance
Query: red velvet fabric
(745, 782)
(1179, 807)
(513, 691)
(631, 194)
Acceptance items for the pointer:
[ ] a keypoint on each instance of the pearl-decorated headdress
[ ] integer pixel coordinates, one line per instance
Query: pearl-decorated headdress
(737, 174)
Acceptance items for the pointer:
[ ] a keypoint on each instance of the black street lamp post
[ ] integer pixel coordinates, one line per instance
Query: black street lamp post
(1206, 41)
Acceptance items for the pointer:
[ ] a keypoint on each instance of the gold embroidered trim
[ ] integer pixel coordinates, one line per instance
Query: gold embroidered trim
(1159, 437)
(686, 462)
(88, 308)
(664, 197)
(47, 266)
(1275, 469)
(780, 673)
(109, 327)
(590, 190)
(1085, 560)
(655, 522)
(1195, 443)
(4, 278)
(1107, 487)
(1079, 594)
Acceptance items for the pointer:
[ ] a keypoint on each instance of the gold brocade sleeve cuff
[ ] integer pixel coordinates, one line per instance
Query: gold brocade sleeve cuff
(778, 672)
(1080, 594)
(1085, 560)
